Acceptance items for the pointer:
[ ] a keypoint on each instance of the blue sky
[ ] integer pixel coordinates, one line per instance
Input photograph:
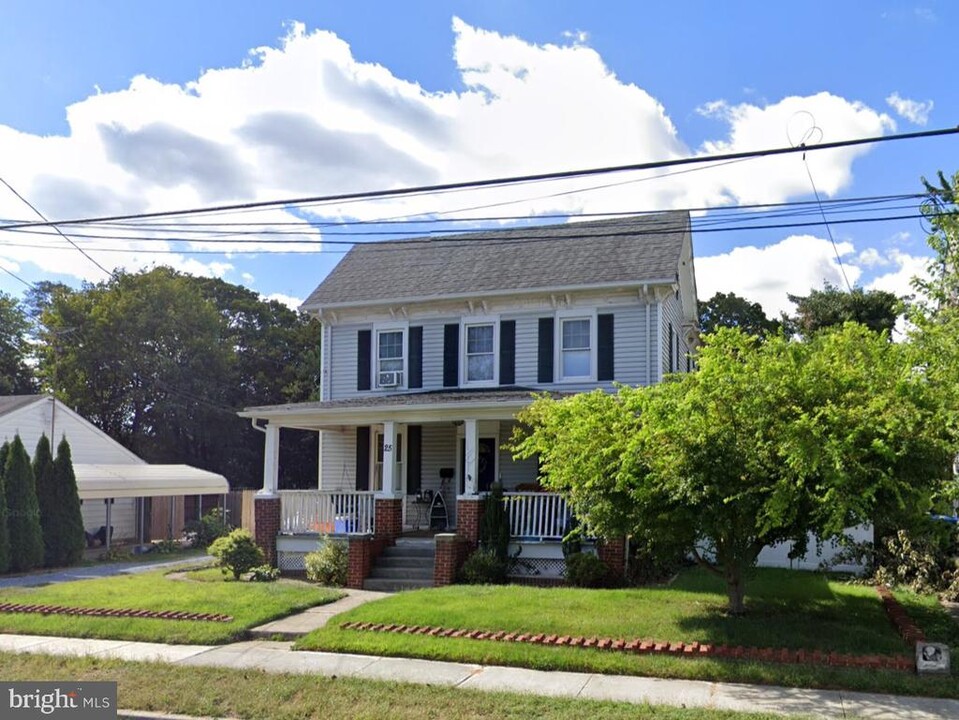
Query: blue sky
(168, 108)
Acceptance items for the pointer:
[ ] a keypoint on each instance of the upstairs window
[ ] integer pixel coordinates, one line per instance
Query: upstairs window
(389, 358)
(480, 353)
(576, 349)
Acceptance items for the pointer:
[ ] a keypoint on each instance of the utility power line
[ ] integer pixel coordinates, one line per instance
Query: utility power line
(497, 182)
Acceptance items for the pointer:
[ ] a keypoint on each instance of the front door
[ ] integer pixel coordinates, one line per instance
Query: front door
(486, 463)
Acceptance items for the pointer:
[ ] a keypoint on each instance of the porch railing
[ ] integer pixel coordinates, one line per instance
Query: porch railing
(536, 515)
(320, 511)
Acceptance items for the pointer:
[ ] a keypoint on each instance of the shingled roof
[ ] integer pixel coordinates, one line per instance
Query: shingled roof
(9, 403)
(625, 250)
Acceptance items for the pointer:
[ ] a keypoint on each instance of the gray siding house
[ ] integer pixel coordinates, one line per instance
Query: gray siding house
(431, 345)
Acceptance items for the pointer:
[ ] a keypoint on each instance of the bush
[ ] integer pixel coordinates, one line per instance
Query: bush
(165, 547)
(202, 532)
(236, 553)
(494, 528)
(585, 570)
(264, 573)
(328, 564)
(484, 567)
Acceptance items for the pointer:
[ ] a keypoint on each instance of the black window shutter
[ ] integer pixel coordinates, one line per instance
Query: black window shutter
(544, 373)
(604, 350)
(672, 360)
(415, 379)
(364, 354)
(451, 355)
(363, 457)
(507, 352)
(414, 458)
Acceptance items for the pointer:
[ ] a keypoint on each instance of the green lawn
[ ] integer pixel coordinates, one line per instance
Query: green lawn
(202, 591)
(213, 692)
(785, 609)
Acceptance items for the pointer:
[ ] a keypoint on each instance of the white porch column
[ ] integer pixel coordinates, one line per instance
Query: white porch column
(471, 457)
(271, 461)
(391, 480)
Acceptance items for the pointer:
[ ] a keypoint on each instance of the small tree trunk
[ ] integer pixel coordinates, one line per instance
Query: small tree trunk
(736, 591)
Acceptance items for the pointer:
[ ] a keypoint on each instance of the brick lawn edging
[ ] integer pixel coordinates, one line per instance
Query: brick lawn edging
(113, 612)
(651, 647)
(898, 616)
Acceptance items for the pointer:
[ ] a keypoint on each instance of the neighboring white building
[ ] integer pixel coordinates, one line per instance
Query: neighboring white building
(106, 471)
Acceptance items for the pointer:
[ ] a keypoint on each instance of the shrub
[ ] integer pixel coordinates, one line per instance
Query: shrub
(23, 510)
(264, 573)
(115, 554)
(484, 567)
(69, 540)
(165, 546)
(329, 563)
(202, 532)
(4, 536)
(585, 570)
(236, 553)
(494, 528)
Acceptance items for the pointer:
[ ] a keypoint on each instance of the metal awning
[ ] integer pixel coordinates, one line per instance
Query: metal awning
(96, 482)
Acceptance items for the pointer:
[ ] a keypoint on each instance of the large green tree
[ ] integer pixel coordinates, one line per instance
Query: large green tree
(16, 376)
(162, 361)
(731, 310)
(23, 511)
(876, 309)
(767, 442)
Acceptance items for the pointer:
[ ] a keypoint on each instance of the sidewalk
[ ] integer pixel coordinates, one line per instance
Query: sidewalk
(276, 657)
(294, 626)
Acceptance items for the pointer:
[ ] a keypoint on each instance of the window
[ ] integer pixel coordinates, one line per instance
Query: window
(390, 360)
(480, 353)
(576, 348)
(377, 483)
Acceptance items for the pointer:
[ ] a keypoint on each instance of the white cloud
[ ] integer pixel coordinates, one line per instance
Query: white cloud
(870, 257)
(305, 118)
(899, 281)
(765, 275)
(291, 302)
(914, 111)
(247, 278)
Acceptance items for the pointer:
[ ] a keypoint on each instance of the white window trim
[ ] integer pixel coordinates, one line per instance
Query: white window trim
(464, 376)
(404, 327)
(573, 314)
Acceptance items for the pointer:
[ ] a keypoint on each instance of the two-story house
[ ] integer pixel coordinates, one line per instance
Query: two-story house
(431, 345)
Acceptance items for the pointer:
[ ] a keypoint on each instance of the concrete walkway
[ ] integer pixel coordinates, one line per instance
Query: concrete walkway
(97, 571)
(294, 626)
(276, 657)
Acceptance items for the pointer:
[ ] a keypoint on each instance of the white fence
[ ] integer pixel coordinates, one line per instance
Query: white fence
(536, 515)
(318, 511)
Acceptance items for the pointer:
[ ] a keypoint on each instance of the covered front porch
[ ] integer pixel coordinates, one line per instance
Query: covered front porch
(400, 464)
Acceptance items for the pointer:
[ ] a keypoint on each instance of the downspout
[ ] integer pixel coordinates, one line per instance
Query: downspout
(649, 378)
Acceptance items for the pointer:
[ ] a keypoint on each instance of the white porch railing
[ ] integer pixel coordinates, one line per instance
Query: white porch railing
(319, 511)
(536, 515)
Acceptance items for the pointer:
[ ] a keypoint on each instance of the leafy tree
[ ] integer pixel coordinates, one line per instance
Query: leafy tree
(730, 310)
(23, 511)
(767, 442)
(16, 377)
(60, 515)
(4, 531)
(831, 306)
(162, 361)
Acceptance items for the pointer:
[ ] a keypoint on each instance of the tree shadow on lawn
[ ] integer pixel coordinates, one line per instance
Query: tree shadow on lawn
(791, 609)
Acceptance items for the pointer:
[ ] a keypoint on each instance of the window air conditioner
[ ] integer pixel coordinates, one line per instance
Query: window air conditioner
(389, 379)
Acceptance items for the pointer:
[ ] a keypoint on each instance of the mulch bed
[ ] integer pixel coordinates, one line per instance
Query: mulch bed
(651, 647)
(113, 612)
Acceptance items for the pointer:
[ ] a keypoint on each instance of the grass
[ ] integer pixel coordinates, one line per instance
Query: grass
(213, 692)
(202, 591)
(784, 609)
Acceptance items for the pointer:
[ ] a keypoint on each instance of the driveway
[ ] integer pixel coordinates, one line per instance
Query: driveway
(96, 571)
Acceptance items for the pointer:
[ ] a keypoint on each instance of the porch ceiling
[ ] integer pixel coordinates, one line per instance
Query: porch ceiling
(415, 407)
